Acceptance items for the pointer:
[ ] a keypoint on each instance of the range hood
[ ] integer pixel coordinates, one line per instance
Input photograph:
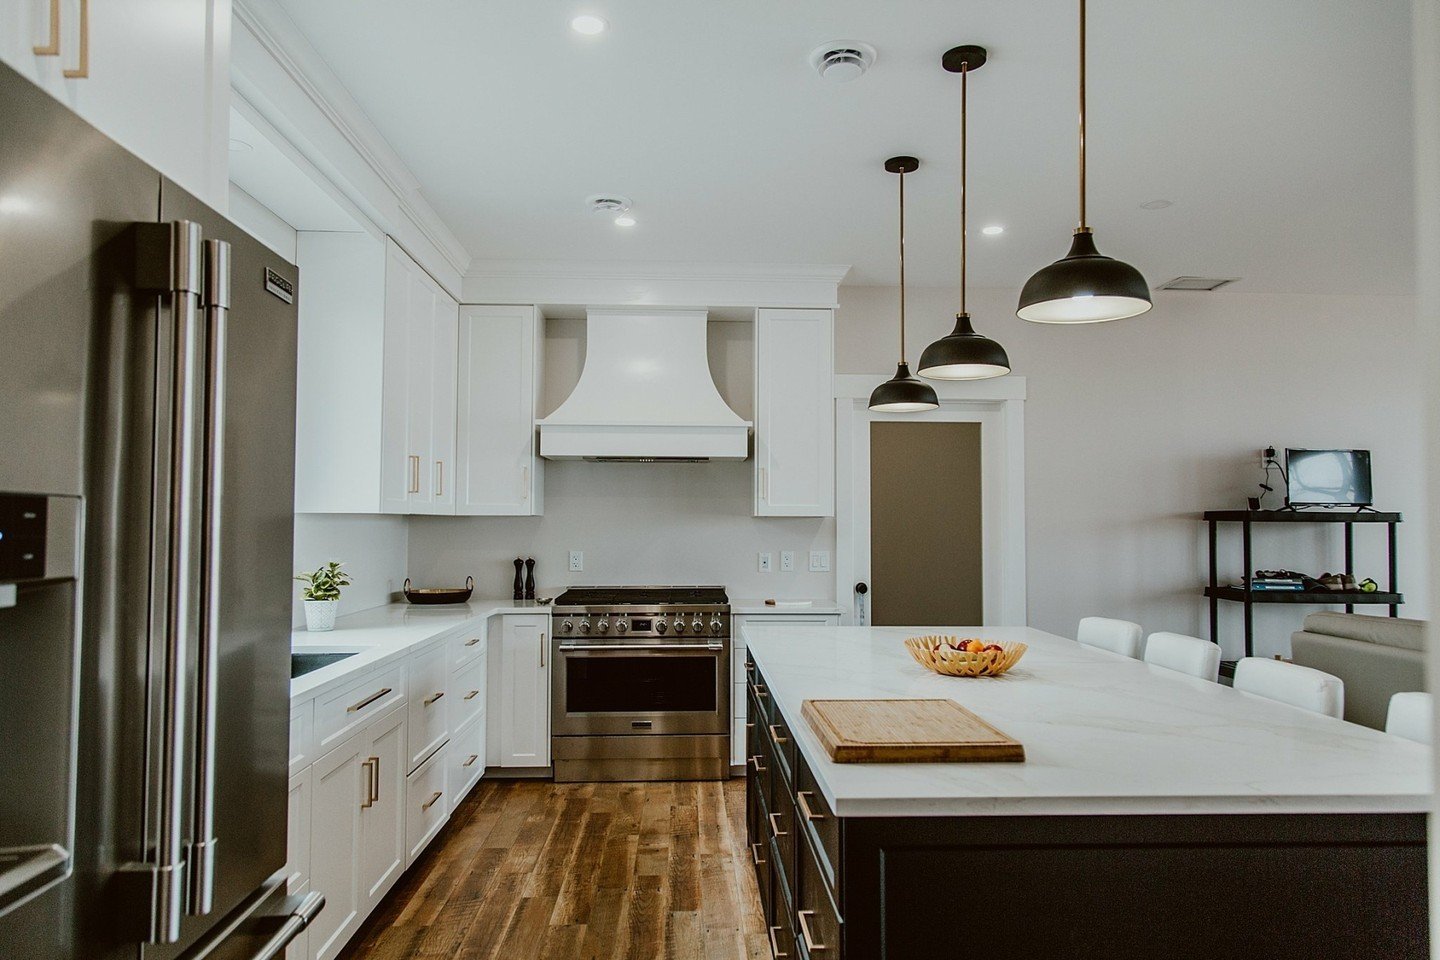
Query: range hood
(645, 394)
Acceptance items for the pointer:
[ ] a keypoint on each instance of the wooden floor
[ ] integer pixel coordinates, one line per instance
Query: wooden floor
(596, 871)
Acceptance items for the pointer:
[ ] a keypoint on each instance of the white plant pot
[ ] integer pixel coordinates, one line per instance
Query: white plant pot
(320, 615)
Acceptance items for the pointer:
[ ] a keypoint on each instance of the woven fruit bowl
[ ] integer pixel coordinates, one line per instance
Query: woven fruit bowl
(954, 657)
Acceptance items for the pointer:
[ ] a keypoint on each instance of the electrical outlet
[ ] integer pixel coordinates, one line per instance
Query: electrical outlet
(819, 561)
(766, 563)
(787, 561)
(577, 561)
(1265, 454)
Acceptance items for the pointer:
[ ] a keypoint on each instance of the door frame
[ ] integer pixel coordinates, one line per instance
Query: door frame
(999, 407)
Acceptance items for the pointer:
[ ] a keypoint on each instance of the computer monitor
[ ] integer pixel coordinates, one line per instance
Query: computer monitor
(1328, 478)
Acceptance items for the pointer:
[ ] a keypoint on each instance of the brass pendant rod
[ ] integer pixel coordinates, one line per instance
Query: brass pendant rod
(1083, 226)
(902, 266)
(964, 174)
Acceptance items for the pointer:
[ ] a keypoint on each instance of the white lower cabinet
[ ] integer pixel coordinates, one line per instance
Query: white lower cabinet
(297, 852)
(429, 710)
(426, 805)
(467, 758)
(520, 687)
(338, 782)
(382, 808)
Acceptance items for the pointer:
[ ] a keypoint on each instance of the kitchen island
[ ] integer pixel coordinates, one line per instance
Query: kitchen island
(1155, 815)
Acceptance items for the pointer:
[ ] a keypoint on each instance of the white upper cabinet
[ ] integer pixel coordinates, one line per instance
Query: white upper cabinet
(154, 75)
(794, 413)
(497, 471)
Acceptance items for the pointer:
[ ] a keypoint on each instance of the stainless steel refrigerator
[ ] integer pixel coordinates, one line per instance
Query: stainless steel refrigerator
(147, 428)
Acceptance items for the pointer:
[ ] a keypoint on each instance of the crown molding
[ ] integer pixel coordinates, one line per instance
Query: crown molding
(293, 53)
(653, 283)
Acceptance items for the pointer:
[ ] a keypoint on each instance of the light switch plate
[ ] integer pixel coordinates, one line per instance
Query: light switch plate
(767, 562)
(577, 561)
(787, 561)
(819, 561)
(7, 595)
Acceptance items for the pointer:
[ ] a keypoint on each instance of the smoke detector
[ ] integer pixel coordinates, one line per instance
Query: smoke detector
(1196, 283)
(608, 203)
(841, 61)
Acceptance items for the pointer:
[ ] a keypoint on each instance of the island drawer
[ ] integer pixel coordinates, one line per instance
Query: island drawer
(814, 817)
(758, 850)
(817, 921)
(759, 759)
(779, 828)
(782, 937)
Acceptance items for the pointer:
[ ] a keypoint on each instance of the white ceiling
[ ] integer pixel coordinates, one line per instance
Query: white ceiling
(1280, 129)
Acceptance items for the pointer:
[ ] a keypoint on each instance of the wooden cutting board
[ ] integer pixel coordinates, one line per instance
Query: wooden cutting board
(906, 731)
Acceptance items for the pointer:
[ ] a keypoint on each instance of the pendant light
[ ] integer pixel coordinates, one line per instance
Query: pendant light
(903, 393)
(964, 354)
(1084, 286)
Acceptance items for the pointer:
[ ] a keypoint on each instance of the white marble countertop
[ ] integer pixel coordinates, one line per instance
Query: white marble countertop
(1103, 734)
(382, 634)
(746, 605)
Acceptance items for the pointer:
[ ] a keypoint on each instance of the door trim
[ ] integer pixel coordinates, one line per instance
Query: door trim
(999, 407)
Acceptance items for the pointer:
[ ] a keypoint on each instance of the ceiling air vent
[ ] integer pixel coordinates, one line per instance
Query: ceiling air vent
(840, 61)
(1196, 283)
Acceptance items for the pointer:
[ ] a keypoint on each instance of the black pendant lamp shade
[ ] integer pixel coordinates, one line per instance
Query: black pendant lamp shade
(1084, 286)
(964, 354)
(903, 393)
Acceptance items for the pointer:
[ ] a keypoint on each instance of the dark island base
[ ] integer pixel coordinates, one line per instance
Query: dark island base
(1114, 887)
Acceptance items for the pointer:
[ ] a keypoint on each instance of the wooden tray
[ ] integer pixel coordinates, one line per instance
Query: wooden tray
(906, 731)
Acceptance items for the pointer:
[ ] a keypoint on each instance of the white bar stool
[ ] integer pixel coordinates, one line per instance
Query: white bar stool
(1409, 716)
(1117, 636)
(1303, 687)
(1189, 655)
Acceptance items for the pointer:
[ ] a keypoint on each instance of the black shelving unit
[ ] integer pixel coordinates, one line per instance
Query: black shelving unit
(1390, 597)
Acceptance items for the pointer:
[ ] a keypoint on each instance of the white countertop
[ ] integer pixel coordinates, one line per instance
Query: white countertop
(1103, 734)
(382, 634)
(785, 606)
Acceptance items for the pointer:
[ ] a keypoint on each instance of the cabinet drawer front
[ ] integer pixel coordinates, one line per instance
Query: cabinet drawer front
(429, 711)
(467, 692)
(302, 736)
(814, 817)
(758, 851)
(468, 645)
(427, 805)
(782, 748)
(467, 758)
(817, 922)
(348, 709)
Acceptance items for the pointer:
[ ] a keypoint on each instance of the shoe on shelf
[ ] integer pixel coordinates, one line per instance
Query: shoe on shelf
(1350, 585)
(1333, 581)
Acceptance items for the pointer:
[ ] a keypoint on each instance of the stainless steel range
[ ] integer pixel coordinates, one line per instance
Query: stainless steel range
(641, 684)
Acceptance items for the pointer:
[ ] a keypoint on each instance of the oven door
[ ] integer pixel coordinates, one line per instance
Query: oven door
(640, 688)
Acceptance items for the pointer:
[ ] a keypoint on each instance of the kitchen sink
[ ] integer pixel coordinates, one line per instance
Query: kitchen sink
(303, 663)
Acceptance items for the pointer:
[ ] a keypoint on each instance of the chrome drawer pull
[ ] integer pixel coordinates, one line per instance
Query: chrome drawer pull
(775, 947)
(431, 802)
(472, 641)
(810, 943)
(368, 700)
(431, 699)
(473, 758)
(472, 694)
(805, 810)
(774, 829)
(755, 854)
(778, 738)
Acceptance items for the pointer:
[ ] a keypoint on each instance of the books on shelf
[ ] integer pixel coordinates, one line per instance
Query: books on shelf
(1260, 584)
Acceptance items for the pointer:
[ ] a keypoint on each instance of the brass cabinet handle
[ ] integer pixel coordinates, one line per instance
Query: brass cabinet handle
(755, 762)
(805, 810)
(755, 854)
(52, 49)
(472, 694)
(810, 943)
(542, 651)
(431, 699)
(375, 776)
(472, 641)
(369, 800)
(760, 692)
(368, 700)
(414, 485)
(439, 478)
(775, 829)
(83, 70)
(775, 947)
(778, 738)
(473, 758)
(431, 802)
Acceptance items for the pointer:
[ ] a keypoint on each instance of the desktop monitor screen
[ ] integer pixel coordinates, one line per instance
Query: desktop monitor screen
(1328, 478)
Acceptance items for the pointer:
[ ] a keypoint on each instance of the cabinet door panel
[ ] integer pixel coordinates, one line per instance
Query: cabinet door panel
(297, 832)
(382, 821)
(794, 413)
(397, 468)
(524, 701)
(339, 784)
(443, 371)
(498, 469)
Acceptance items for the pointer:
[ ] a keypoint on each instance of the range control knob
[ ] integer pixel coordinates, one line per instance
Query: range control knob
(584, 626)
(622, 626)
(660, 627)
(716, 626)
(567, 627)
(697, 625)
(603, 626)
(679, 625)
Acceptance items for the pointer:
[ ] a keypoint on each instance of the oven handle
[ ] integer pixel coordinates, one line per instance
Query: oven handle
(632, 647)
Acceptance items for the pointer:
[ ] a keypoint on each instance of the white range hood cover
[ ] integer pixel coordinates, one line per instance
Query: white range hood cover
(645, 393)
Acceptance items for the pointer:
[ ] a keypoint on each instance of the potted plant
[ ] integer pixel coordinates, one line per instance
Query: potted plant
(322, 595)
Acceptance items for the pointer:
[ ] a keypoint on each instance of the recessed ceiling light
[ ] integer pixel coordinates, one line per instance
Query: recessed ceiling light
(624, 220)
(239, 146)
(994, 230)
(608, 203)
(589, 24)
(1156, 204)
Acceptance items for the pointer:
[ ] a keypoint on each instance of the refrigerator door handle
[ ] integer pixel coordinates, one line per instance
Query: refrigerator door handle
(299, 917)
(216, 304)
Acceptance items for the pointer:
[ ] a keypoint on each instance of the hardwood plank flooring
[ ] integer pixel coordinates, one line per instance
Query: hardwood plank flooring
(588, 871)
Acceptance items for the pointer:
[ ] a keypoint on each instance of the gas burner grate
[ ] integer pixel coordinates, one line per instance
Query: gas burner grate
(640, 596)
